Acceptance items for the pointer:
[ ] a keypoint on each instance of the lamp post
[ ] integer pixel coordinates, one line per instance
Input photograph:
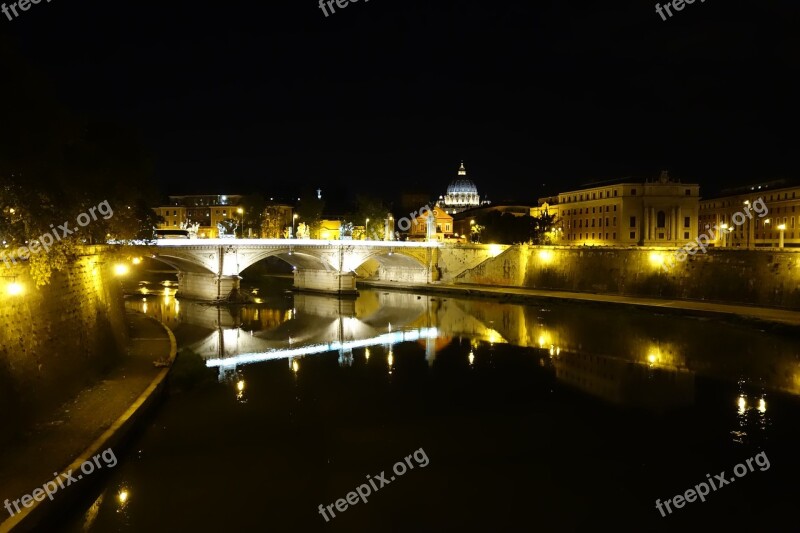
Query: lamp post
(724, 228)
(241, 221)
(366, 229)
(747, 208)
(294, 217)
(782, 228)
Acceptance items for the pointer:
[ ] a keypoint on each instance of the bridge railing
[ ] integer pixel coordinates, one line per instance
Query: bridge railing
(173, 243)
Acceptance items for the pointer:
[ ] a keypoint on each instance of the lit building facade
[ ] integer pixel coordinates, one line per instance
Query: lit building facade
(462, 194)
(719, 218)
(442, 226)
(207, 210)
(650, 213)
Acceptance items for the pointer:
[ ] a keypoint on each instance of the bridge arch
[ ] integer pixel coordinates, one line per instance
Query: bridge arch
(298, 260)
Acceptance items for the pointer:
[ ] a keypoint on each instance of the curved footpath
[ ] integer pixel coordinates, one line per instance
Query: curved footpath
(96, 420)
(785, 317)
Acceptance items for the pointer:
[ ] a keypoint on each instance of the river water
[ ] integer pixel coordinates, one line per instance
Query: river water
(539, 417)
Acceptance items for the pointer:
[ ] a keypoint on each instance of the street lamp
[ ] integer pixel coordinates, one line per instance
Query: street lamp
(724, 228)
(294, 217)
(782, 228)
(366, 230)
(241, 220)
(749, 224)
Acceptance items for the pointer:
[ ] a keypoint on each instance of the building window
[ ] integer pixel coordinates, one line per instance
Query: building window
(447, 228)
(614, 236)
(633, 222)
(606, 223)
(615, 192)
(661, 219)
(633, 192)
(685, 234)
(615, 221)
(615, 208)
(633, 235)
(594, 197)
(687, 222)
(688, 192)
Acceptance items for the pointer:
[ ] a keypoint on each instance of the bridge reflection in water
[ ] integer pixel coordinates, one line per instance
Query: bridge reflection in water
(622, 358)
(634, 367)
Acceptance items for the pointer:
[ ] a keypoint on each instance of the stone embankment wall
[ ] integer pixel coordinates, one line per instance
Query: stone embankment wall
(56, 339)
(757, 277)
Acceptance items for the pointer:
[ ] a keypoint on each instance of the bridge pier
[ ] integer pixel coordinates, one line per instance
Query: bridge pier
(327, 281)
(201, 286)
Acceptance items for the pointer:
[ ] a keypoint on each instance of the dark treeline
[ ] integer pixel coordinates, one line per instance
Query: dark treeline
(56, 165)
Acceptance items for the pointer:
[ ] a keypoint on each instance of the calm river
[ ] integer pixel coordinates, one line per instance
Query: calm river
(504, 417)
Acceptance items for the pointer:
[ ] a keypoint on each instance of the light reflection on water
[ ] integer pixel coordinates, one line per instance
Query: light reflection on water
(646, 360)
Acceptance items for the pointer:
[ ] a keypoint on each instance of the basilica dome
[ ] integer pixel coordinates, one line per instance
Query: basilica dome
(462, 186)
(462, 194)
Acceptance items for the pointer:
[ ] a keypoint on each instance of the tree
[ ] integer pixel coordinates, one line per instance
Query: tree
(272, 223)
(56, 166)
(374, 210)
(309, 210)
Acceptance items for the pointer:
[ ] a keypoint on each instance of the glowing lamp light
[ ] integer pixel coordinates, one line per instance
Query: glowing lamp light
(762, 405)
(652, 358)
(123, 496)
(742, 403)
(14, 289)
(240, 386)
(121, 269)
(546, 256)
(782, 227)
(136, 260)
(657, 259)
(495, 250)
(295, 366)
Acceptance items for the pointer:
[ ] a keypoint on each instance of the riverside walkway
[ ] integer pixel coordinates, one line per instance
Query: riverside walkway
(96, 419)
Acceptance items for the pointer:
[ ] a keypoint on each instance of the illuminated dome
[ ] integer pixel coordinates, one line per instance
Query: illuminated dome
(462, 187)
(462, 194)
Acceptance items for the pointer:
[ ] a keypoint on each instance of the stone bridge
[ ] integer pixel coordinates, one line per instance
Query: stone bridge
(210, 269)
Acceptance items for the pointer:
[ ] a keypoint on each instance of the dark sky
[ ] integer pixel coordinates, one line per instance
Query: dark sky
(389, 95)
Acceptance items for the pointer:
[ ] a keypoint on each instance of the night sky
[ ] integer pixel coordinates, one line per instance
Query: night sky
(390, 95)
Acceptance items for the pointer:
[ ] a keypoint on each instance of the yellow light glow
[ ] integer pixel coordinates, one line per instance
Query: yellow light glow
(14, 289)
(656, 259)
(121, 269)
(546, 256)
(782, 227)
(495, 250)
(762, 405)
(240, 386)
(742, 403)
(390, 358)
(366, 354)
(123, 496)
(295, 367)
(471, 358)
(652, 358)
(136, 260)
